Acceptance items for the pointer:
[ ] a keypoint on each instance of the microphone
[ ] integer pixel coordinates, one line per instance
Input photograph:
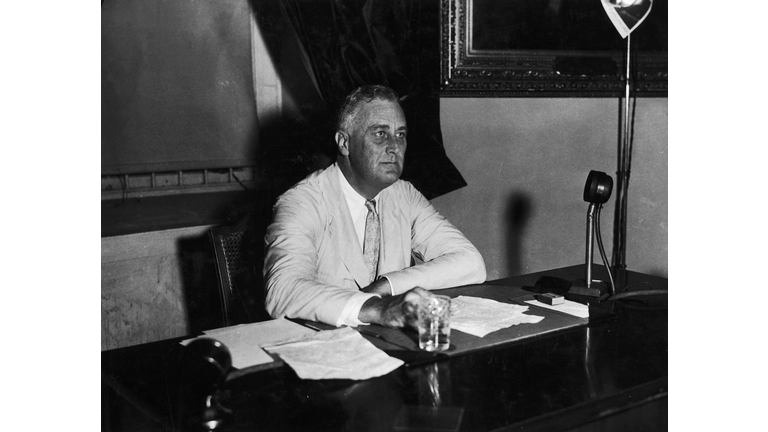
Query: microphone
(598, 188)
(597, 191)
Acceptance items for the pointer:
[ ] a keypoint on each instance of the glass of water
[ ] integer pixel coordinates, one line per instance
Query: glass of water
(434, 323)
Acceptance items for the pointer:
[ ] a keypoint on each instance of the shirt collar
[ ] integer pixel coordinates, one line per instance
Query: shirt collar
(355, 201)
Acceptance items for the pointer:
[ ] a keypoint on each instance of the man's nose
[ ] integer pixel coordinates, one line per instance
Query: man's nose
(394, 145)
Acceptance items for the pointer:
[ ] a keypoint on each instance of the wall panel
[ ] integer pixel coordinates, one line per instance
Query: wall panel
(526, 162)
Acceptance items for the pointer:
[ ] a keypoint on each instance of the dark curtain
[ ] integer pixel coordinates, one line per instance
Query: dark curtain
(349, 43)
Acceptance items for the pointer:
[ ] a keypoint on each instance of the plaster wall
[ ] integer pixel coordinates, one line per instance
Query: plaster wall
(526, 161)
(142, 294)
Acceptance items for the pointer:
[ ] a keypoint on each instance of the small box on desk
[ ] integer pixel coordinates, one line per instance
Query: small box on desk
(550, 299)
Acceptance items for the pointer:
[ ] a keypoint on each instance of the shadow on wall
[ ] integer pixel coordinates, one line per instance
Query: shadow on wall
(516, 218)
(199, 284)
(292, 147)
(289, 149)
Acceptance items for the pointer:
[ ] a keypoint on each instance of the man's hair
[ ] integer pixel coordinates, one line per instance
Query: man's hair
(362, 94)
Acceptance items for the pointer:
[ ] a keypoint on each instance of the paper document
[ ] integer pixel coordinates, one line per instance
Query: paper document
(480, 316)
(569, 307)
(244, 340)
(335, 354)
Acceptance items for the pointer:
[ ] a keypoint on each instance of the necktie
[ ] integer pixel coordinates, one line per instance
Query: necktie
(371, 240)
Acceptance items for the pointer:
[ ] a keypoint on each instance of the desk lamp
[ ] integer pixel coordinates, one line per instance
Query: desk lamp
(597, 190)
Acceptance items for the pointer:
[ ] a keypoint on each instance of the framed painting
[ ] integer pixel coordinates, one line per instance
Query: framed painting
(548, 48)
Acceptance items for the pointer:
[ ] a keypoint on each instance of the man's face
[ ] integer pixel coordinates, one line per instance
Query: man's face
(376, 145)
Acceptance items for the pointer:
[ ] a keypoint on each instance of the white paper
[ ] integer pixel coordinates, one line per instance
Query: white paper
(480, 316)
(244, 340)
(335, 354)
(569, 307)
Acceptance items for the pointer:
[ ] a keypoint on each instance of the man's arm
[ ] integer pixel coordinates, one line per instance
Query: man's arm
(381, 287)
(291, 273)
(449, 258)
(291, 277)
(394, 311)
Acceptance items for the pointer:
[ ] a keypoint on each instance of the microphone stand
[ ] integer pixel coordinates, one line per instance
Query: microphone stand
(590, 242)
(585, 286)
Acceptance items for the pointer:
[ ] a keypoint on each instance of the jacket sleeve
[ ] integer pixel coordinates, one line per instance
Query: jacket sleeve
(449, 258)
(293, 287)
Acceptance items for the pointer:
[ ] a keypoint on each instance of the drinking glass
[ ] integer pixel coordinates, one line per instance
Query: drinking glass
(434, 323)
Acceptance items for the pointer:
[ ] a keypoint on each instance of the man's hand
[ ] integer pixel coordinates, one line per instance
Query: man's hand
(394, 311)
(380, 287)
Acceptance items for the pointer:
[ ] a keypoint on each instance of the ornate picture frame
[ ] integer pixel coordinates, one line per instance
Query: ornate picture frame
(555, 48)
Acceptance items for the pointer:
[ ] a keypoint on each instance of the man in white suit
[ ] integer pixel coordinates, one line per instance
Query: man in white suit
(341, 247)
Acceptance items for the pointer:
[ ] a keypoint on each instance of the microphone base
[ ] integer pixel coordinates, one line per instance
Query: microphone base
(596, 292)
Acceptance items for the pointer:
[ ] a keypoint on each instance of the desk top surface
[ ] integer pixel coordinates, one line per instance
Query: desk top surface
(560, 379)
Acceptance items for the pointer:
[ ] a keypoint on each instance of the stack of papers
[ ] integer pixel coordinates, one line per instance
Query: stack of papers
(479, 316)
(244, 341)
(339, 354)
(342, 353)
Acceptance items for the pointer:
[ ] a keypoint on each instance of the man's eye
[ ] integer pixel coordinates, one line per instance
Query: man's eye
(400, 134)
(380, 134)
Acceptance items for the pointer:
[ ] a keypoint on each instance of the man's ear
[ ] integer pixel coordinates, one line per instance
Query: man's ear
(342, 142)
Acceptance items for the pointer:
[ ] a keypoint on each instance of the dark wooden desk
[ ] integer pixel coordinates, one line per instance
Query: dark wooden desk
(609, 374)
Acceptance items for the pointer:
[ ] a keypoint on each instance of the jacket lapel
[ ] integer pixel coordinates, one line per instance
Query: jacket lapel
(342, 229)
(398, 241)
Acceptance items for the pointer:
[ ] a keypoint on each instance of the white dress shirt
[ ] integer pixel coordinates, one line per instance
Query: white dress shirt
(358, 211)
